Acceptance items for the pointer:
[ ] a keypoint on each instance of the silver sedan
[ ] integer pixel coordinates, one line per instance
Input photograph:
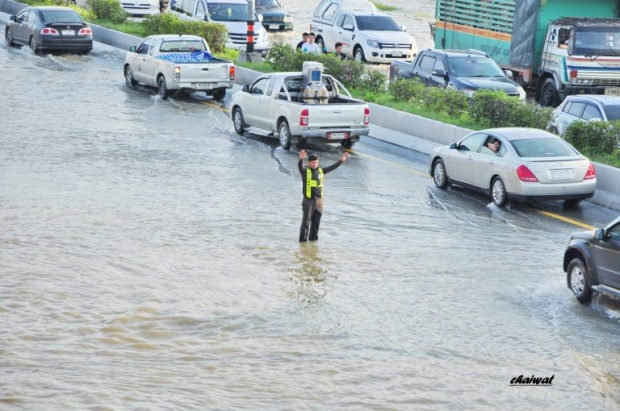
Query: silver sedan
(515, 163)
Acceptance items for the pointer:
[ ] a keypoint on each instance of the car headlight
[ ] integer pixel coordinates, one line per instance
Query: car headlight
(521, 94)
(373, 43)
(584, 81)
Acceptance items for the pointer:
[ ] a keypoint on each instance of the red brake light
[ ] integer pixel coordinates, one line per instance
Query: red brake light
(49, 31)
(591, 173)
(231, 72)
(85, 31)
(304, 118)
(525, 174)
(573, 74)
(366, 116)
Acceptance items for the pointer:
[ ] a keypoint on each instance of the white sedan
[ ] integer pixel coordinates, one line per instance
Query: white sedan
(530, 164)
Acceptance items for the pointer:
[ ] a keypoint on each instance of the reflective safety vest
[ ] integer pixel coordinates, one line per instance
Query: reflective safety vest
(311, 183)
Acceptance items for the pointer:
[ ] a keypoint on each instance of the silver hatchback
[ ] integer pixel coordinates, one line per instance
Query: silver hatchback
(584, 107)
(515, 163)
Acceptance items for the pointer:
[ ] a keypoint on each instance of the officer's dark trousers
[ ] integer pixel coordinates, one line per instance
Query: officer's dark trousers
(313, 210)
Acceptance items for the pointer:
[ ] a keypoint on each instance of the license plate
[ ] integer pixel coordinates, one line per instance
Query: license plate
(274, 26)
(612, 91)
(397, 54)
(68, 32)
(562, 173)
(340, 136)
(201, 85)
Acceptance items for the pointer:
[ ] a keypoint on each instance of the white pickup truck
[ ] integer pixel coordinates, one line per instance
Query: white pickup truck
(183, 63)
(288, 106)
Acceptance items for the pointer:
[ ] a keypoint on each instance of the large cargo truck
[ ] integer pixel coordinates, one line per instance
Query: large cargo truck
(555, 47)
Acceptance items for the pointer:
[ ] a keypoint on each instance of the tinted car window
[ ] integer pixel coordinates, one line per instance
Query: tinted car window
(329, 13)
(614, 233)
(543, 147)
(612, 112)
(260, 86)
(439, 65)
(469, 66)
(144, 47)
(377, 23)
(427, 63)
(576, 108)
(473, 142)
(60, 16)
(591, 112)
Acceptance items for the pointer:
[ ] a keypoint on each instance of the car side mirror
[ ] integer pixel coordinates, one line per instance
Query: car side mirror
(599, 234)
(246, 88)
(347, 26)
(453, 146)
(438, 73)
(260, 18)
(133, 49)
(13, 18)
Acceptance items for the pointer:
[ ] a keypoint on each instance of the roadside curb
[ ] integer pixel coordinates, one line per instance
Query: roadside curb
(387, 124)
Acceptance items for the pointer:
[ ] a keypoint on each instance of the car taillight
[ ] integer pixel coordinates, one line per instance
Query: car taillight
(573, 74)
(49, 31)
(591, 173)
(366, 116)
(85, 31)
(525, 174)
(231, 72)
(304, 118)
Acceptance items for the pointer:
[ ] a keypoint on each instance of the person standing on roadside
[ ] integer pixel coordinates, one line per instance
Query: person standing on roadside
(310, 46)
(312, 204)
(338, 51)
(301, 43)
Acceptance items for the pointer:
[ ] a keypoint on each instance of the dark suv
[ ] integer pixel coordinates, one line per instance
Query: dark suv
(274, 17)
(592, 262)
(465, 70)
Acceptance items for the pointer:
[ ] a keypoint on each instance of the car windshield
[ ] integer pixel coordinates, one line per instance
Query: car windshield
(228, 11)
(597, 41)
(61, 16)
(543, 147)
(470, 66)
(183, 45)
(377, 23)
(612, 112)
(267, 3)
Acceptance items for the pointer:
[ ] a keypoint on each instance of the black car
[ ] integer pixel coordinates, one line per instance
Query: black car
(465, 70)
(49, 28)
(592, 262)
(274, 18)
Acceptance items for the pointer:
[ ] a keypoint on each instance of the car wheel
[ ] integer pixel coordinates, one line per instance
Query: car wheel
(358, 54)
(572, 203)
(33, 45)
(162, 90)
(579, 280)
(348, 143)
(440, 176)
(238, 121)
(219, 94)
(498, 192)
(129, 80)
(321, 44)
(284, 133)
(548, 93)
(9, 37)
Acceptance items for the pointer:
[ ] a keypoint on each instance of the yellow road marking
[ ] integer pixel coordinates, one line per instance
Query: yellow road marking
(566, 220)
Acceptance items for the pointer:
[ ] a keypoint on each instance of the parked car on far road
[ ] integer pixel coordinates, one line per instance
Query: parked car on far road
(49, 28)
(592, 262)
(465, 70)
(584, 107)
(531, 164)
(274, 16)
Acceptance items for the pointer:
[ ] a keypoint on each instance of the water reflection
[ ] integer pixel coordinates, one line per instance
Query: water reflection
(309, 280)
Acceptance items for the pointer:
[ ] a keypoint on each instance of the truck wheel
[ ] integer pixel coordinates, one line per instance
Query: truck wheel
(219, 94)
(321, 44)
(238, 121)
(129, 76)
(162, 90)
(498, 192)
(284, 133)
(579, 280)
(358, 54)
(548, 93)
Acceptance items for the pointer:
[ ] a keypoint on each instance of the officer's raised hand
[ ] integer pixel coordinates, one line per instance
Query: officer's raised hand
(344, 157)
(302, 154)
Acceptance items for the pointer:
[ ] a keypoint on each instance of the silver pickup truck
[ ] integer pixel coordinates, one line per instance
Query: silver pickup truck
(286, 106)
(178, 63)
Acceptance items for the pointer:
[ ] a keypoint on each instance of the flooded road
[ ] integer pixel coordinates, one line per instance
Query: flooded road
(149, 260)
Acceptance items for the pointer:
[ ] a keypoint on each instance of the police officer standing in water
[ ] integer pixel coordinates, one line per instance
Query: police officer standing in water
(312, 205)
